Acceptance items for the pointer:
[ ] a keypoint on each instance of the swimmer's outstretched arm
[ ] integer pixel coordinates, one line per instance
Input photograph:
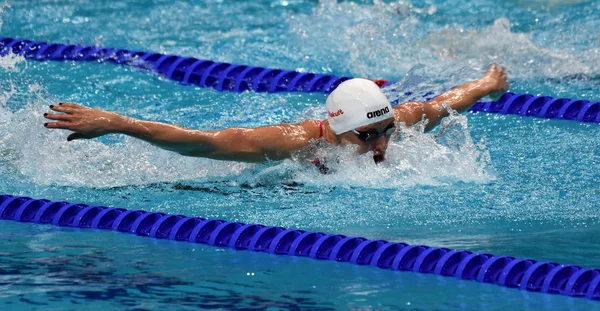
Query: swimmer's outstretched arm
(460, 99)
(235, 144)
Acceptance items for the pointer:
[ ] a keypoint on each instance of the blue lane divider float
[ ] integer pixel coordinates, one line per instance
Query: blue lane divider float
(542, 107)
(187, 70)
(526, 274)
(238, 78)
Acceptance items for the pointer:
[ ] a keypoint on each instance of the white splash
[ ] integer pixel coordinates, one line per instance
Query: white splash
(367, 38)
(11, 62)
(413, 158)
(385, 40)
(497, 43)
(46, 157)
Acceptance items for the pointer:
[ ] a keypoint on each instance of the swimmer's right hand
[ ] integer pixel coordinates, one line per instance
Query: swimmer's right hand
(495, 82)
(84, 121)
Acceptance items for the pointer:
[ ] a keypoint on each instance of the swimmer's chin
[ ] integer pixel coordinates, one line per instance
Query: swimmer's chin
(378, 158)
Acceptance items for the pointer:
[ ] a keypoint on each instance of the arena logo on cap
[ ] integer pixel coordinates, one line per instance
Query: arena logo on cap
(377, 113)
(336, 114)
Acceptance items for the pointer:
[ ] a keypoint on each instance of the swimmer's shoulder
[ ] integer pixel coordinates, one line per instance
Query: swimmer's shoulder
(313, 128)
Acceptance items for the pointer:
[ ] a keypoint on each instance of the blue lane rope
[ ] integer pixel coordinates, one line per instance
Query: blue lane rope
(187, 70)
(238, 78)
(525, 274)
(542, 107)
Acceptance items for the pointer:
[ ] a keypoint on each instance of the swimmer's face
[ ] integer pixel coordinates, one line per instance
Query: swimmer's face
(373, 137)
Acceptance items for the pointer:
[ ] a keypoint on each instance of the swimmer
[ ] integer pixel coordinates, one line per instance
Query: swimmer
(357, 113)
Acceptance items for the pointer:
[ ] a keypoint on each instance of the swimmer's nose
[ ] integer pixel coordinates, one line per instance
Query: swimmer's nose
(380, 146)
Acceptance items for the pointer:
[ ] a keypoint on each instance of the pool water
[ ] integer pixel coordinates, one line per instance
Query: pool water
(505, 185)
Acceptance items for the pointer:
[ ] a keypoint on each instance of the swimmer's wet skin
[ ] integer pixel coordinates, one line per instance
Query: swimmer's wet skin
(358, 113)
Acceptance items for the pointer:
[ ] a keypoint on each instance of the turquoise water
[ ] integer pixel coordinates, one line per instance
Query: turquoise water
(506, 185)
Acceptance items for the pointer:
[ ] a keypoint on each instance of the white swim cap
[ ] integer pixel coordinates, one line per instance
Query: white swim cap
(355, 103)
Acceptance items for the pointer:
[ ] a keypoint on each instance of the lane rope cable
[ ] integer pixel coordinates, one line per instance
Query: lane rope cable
(507, 271)
(238, 78)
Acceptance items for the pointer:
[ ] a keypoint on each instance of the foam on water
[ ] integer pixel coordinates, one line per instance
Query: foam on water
(385, 40)
(367, 37)
(497, 43)
(46, 158)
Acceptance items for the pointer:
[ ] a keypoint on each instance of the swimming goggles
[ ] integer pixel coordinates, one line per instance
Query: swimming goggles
(372, 135)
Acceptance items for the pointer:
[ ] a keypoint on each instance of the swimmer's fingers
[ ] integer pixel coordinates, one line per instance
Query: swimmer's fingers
(494, 68)
(58, 116)
(66, 126)
(59, 125)
(68, 108)
(500, 70)
(71, 105)
(61, 108)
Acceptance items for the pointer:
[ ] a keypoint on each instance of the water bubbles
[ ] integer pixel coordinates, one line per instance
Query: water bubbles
(11, 62)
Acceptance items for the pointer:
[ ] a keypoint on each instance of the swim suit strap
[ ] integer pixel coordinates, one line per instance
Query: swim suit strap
(320, 124)
(320, 129)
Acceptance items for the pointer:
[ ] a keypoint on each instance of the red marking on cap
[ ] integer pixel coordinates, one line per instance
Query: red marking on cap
(336, 114)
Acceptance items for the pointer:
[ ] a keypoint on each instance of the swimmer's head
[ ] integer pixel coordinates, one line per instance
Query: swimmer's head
(359, 113)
